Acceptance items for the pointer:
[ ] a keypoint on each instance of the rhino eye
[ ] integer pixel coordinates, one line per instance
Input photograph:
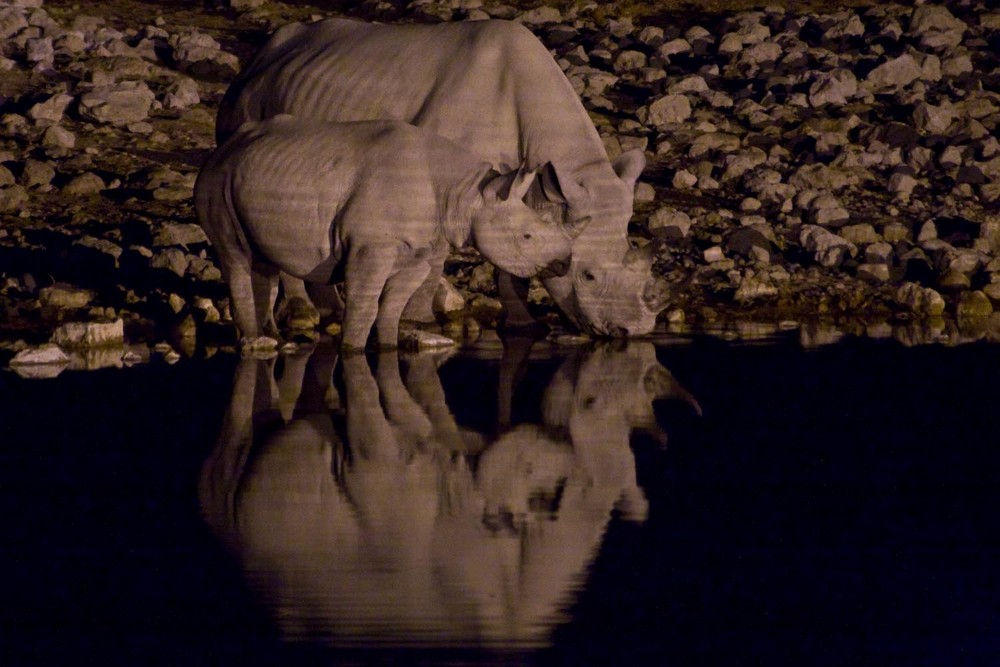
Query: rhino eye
(588, 276)
(527, 236)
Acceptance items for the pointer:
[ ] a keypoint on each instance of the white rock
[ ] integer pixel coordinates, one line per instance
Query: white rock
(936, 26)
(89, 334)
(51, 109)
(689, 84)
(933, 119)
(673, 47)
(684, 179)
(835, 87)
(44, 361)
(921, 300)
(829, 249)
(447, 300)
(670, 222)
(714, 254)
(64, 296)
(117, 104)
(669, 110)
(418, 339)
(896, 73)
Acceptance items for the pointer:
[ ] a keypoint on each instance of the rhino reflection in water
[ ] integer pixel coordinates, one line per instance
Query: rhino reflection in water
(393, 539)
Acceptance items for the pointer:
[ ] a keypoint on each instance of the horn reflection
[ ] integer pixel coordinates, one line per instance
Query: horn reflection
(369, 517)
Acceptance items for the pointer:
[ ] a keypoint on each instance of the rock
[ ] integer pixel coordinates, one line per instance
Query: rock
(879, 252)
(860, 234)
(644, 193)
(12, 198)
(202, 55)
(89, 334)
(182, 93)
(418, 339)
(896, 73)
(179, 234)
(87, 183)
(689, 84)
(674, 47)
(669, 110)
(447, 301)
(51, 110)
(669, 223)
(37, 174)
(974, 304)
(44, 361)
(629, 61)
(928, 231)
(6, 177)
(828, 249)
(714, 141)
(118, 104)
(834, 87)
(901, 185)
(754, 286)
(714, 254)
(896, 231)
(739, 163)
(171, 259)
(931, 119)
(920, 300)
(873, 273)
(541, 16)
(246, 5)
(684, 179)
(936, 27)
(58, 137)
(12, 21)
(751, 242)
(65, 297)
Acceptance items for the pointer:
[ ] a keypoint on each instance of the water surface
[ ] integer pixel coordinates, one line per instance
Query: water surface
(650, 504)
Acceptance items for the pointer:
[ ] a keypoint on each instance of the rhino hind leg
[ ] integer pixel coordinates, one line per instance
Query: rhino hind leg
(264, 282)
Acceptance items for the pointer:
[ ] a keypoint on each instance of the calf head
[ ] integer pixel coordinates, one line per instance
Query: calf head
(515, 237)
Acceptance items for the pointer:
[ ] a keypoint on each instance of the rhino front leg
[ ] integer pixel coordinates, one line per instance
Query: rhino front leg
(420, 307)
(398, 291)
(365, 275)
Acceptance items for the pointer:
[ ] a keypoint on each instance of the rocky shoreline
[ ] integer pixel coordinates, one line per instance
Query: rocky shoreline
(838, 169)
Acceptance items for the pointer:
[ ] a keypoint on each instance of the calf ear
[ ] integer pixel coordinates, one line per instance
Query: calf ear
(629, 165)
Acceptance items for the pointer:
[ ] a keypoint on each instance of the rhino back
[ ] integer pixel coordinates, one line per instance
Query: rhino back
(490, 86)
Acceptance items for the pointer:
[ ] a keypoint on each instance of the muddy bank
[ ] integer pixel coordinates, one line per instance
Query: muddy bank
(833, 168)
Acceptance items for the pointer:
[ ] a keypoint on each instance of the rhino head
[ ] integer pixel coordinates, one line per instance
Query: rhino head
(515, 237)
(609, 290)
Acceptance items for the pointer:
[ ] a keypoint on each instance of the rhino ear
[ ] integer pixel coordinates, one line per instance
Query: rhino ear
(497, 188)
(523, 179)
(559, 189)
(629, 165)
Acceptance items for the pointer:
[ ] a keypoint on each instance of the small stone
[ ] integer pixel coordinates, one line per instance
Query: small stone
(37, 173)
(902, 185)
(629, 61)
(684, 180)
(644, 193)
(65, 297)
(974, 304)
(928, 231)
(669, 223)
(896, 73)
(58, 137)
(921, 300)
(50, 110)
(117, 104)
(860, 234)
(181, 94)
(87, 183)
(714, 254)
(714, 141)
(936, 26)
(754, 286)
(447, 301)
(418, 339)
(879, 253)
(12, 198)
(873, 273)
(669, 110)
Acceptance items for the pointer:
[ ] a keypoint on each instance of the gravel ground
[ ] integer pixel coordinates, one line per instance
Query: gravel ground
(806, 168)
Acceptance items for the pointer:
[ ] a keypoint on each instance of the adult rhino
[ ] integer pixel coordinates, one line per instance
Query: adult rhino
(492, 88)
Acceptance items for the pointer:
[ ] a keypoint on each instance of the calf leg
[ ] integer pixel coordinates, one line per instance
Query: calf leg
(366, 272)
(398, 291)
(420, 307)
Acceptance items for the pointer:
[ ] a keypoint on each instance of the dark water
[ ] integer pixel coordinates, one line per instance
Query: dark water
(831, 506)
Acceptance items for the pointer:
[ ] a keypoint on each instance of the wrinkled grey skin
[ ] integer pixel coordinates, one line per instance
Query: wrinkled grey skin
(383, 200)
(494, 89)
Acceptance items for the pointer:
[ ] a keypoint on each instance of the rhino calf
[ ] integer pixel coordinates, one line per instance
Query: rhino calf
(377, 203)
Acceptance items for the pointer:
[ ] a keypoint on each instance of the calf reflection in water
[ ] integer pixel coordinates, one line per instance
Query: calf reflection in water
(368, 517)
